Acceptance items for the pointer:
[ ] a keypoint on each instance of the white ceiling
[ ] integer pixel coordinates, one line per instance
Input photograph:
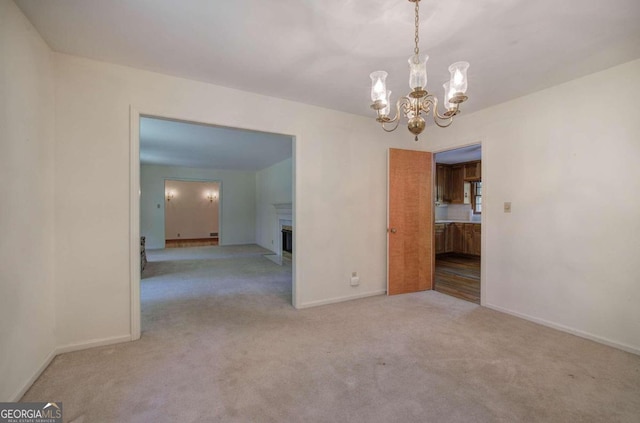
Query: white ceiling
(460, 155)
(322, 51)
(173, 143)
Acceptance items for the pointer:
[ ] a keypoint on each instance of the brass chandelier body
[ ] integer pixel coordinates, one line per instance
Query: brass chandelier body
(419, 102)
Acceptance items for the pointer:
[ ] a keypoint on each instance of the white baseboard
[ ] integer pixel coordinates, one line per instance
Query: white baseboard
(341, 299)
(65, 349)
(586, 335)
(16, 397)
(92, 344)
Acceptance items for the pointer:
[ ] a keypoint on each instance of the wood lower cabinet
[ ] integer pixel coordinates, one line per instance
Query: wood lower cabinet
(457, 237)
(463, 238)
(477, 238)
(441, 237)
(449, 239)
(472, 239)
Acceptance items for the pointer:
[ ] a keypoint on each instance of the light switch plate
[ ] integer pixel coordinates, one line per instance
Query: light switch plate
(507, 207)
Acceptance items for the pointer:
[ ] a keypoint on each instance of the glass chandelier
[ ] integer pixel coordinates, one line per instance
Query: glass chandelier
(419, 101)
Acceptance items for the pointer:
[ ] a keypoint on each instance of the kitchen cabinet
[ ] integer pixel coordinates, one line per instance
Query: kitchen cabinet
(472, 171)
(443, 176)
(456, 233)
(477, 238)
(472, 239)
(452, 182)
(441, 237)
(448, 248)
(457, 184)
(458, 237)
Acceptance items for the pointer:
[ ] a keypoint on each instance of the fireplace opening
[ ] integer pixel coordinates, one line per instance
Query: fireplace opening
(287, 240)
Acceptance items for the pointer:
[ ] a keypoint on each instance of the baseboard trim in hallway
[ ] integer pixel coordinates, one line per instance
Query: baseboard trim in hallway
(341, 299)
(93, 343)
(195, 242)
(23, 390)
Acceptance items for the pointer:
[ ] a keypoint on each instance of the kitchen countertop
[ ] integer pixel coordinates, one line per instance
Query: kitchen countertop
(477, 222)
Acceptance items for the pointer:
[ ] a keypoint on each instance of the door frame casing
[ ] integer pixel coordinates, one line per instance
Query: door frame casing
(483, 240)
(135, 113)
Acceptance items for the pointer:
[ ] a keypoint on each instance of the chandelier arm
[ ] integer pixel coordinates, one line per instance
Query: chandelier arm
(443, 125)
(394, 126)
(426, 103)
(406, 104)
(444, 117)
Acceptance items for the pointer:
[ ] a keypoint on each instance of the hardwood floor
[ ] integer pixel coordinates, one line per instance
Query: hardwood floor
(202, 242)
(459, 276)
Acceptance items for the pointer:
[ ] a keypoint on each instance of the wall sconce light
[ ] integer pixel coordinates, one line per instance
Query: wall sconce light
(211, 196)
(170, 195)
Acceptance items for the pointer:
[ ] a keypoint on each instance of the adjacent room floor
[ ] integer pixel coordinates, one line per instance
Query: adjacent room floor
(458, 275)
(221, 342)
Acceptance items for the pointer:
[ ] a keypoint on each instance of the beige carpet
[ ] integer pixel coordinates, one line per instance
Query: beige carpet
(221, 342)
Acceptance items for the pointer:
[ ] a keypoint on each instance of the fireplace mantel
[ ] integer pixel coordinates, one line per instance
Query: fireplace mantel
(284, 210)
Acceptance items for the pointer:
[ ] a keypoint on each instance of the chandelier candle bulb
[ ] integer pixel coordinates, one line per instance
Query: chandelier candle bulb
(458, 81)
(378, 89)
(418, 102)
(418, 73)
(448, 94)
(387, 109)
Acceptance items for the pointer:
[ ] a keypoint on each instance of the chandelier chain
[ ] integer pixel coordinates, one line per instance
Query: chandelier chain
(416, 50)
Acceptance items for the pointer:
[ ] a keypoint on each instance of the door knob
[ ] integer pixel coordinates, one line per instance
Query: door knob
(394, 230)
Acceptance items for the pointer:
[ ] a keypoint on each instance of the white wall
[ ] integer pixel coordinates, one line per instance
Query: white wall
(567, 158)
(542, 152)
(27, 339)
(237, 202)
(340, 187)
(273, 186)
(192, 210)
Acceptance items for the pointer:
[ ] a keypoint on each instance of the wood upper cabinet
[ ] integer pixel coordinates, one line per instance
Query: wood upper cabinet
(472, 171)
(457, 184)
(443, 177)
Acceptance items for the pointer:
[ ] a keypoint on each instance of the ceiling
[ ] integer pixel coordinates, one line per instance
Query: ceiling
(322, 51)
(460, 155)
(174, 143)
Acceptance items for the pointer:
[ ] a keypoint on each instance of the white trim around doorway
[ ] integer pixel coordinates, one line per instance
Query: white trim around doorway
(134, 205)
(483, 240)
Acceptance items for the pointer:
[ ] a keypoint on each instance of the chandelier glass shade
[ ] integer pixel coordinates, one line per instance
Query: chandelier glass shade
(419, 102)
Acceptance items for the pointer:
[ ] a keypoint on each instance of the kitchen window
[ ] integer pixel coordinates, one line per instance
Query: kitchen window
(476, 197)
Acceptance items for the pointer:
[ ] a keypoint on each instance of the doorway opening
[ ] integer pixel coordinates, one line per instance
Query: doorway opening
(458, 227)
(191, 213)
(255, 173)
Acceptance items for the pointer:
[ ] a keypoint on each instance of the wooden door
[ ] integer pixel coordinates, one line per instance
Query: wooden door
(410, 230)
